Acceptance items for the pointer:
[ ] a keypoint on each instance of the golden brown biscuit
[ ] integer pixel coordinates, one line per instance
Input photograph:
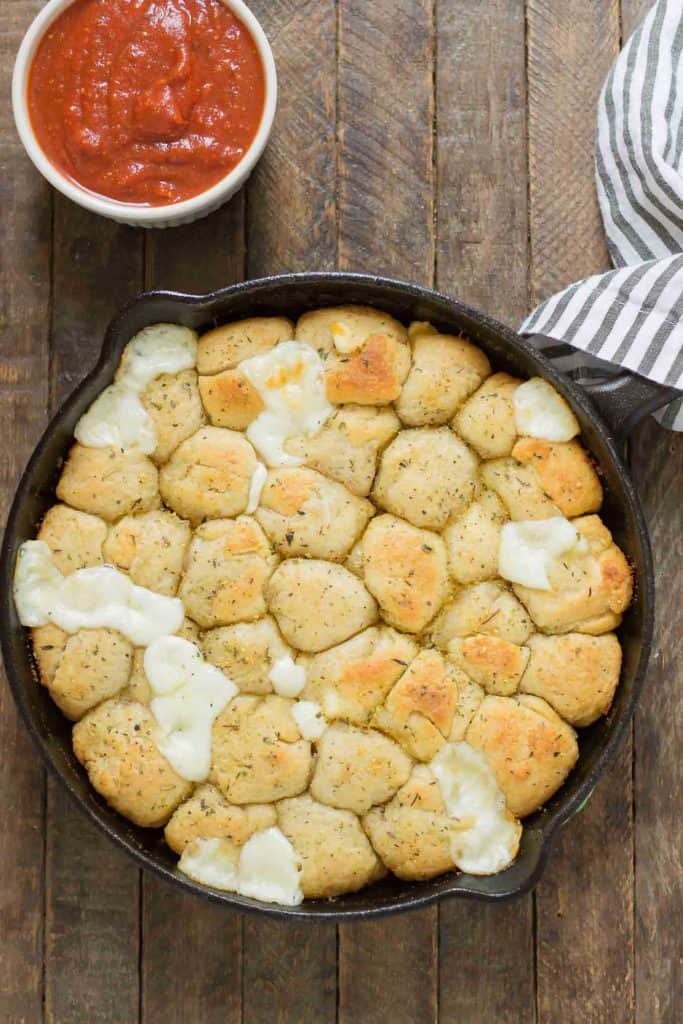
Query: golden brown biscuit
(349, 681)
(230, 400)
(74, 538)
(226, 346)
(246, 652)
(564, 472)
(412, 833)
(445, 371)
(495, 664)
(418, 712)
(528, 746)
(209, 475)
(82, 669)
(406, 570)
(173, 404)
(470, 696)
(228, 564)
(115, 744)
(318, 604)
(357, 768)
(519, 488)
(371, 376)
(426, 476)
(304, 513)
(576, 674)
(336, 856)
(345, 328)
(150, 548)
(473, 539)
(108, 482)
(208, 815)
(487, 608)
(487, 419)
(258, 754)
(590, 588)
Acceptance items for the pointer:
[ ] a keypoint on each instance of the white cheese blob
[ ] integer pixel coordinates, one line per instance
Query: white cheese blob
(540, 411)
(189, 693)
(266, 867)
(97, 598)
(344, 339)
(530, 548)
(489, 839)
(310, 719)
(117, 417)
(288, 679)
(258, 479)
(291, 385)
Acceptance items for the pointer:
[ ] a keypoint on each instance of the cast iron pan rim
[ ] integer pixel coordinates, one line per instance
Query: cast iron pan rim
(332, 909)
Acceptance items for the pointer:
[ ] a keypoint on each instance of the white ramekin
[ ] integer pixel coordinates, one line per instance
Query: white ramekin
(130, 213)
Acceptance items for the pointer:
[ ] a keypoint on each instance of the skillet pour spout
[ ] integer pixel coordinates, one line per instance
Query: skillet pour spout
(290, 295)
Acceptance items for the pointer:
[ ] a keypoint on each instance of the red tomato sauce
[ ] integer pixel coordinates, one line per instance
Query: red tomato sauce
(146, 101)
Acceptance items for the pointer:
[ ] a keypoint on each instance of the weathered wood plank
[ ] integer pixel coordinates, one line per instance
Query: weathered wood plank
(24, 360)
(657, 459)
(632, 13)
(92, 889)
(584, 915)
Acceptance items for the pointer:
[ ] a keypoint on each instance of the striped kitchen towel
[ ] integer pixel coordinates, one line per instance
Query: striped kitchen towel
(632, 316)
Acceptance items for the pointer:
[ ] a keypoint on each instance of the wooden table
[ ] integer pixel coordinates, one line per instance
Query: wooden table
(449, 142)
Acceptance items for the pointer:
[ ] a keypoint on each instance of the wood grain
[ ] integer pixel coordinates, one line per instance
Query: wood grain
(657, 459)
(24, 360)
(632, 13)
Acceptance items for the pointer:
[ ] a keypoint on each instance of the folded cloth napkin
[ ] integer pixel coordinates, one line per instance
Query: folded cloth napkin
(632, 316)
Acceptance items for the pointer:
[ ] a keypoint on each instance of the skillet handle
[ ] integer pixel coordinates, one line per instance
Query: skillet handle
(625, 400)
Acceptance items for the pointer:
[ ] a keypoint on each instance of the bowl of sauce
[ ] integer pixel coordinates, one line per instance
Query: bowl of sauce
(149, 112)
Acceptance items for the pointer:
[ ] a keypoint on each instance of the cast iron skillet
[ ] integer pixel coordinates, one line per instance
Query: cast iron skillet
(620, 404)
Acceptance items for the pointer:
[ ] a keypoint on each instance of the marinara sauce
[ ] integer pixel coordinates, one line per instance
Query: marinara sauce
(146, 101)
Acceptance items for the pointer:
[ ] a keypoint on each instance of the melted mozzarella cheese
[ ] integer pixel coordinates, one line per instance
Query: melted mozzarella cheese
(117, 417)
(541, 412)
(291, 385)
(288, 679)
(266, 868)
(258, 479)
(97, 598)
(310, 719)
(489, 838)
(529, 549)
(188, 695)
(344, 339)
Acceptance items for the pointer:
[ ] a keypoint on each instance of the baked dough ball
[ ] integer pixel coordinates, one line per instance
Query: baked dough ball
(228, 564)
(357, 768)
(318, 604)
(304, 513)
(74, 538)
(258, 754)
(519, 488)
(426, 476)
(151, 548)
(226, 346)
(81, 669)
(335, 853)
(346, 448)
(208, 815)
(412, 833)
(109, 482)
(114, 742)
(590, 588)
(370, 376)
(418, 713)
(495, 664)
(209, 475)
(470, 696)
(344, 329)
(445, 371)
(246, 652)
(230, 399)
(576, 674)
(529, 747)
(173, 404)
(564, 472)
(488, 608)
(487, 419)
(351, 679)
(473, 539)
